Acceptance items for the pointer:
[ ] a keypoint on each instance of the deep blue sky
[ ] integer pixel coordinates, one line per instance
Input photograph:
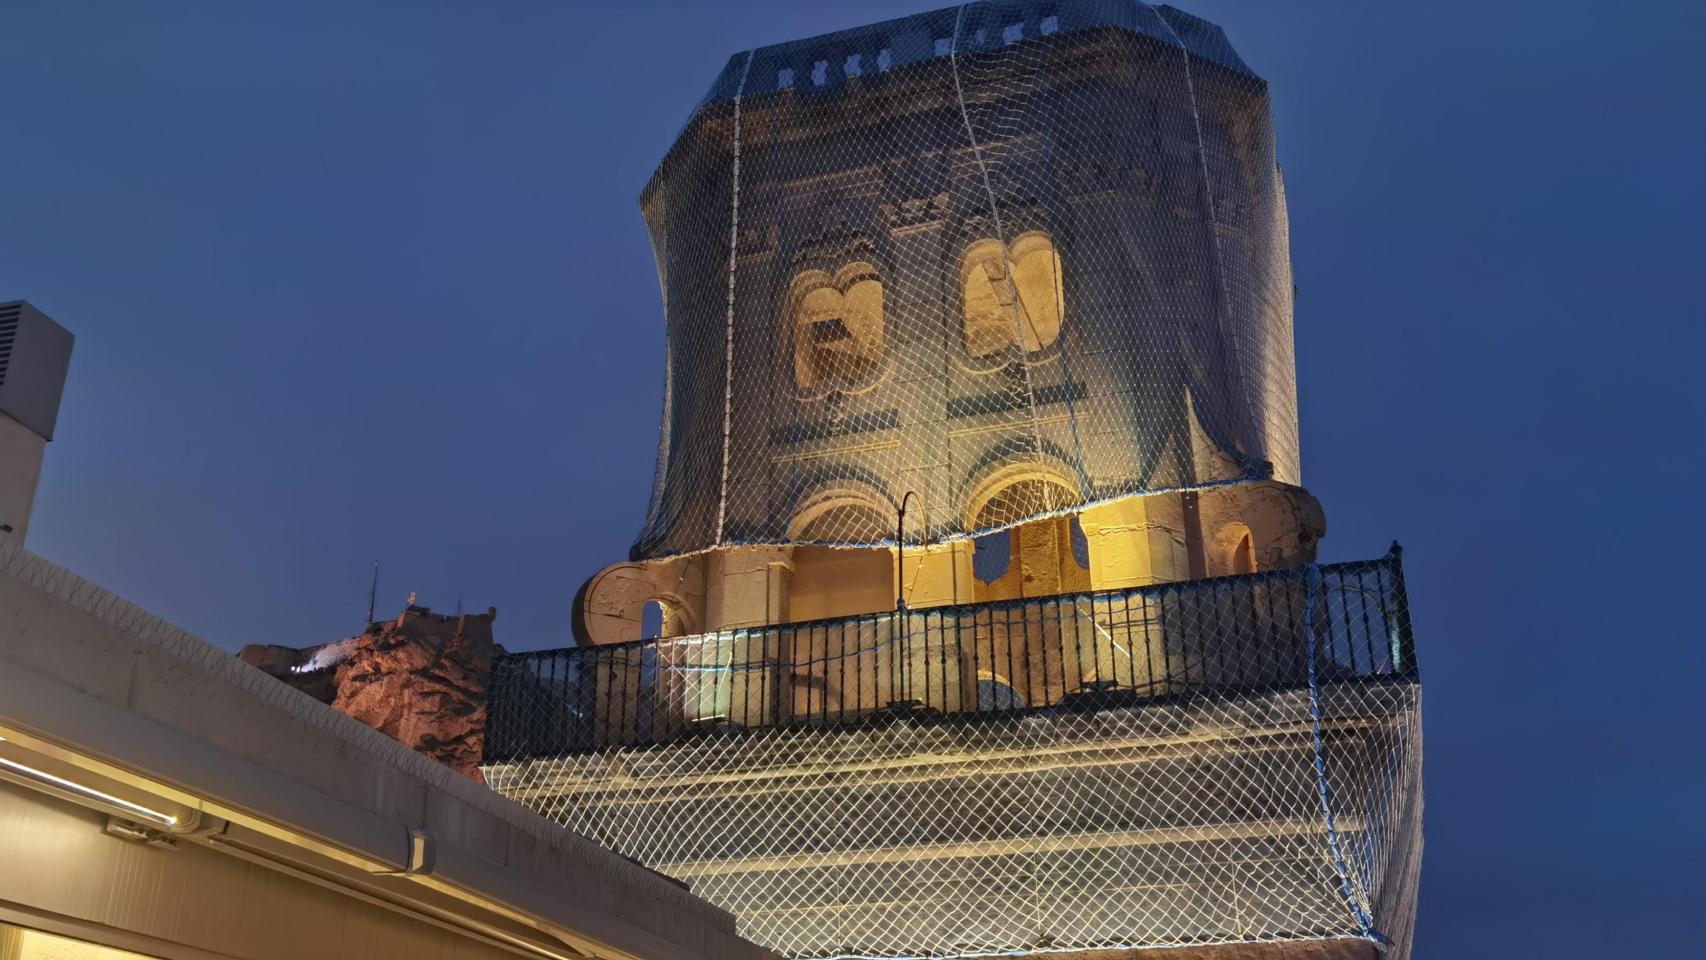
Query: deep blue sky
(365, 279)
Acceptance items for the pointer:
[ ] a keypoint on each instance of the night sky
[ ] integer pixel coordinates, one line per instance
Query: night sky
(359, 280)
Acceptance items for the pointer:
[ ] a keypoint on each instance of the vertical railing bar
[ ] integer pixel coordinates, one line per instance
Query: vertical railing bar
(559, 730)
(1226, 614)
(1032, 670)
(951, 696)
(814, 661)
(1009, 670)
(1079, 617)
(1012, 652)
(1042, 645)
(1292, 627)
(1222, 630)
(1160, 621)
(1131, 659)
(629, 728)
(927, 646)
(1394, 560)
(604, 695)
(1367, 625)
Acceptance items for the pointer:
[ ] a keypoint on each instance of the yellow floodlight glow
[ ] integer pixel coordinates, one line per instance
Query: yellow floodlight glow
(87, 791)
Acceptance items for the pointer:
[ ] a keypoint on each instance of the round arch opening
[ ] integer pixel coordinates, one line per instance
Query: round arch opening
(1019, 492)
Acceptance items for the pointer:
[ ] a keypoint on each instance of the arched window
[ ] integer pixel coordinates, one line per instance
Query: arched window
(1236, 549)
(838, 328)
(1013, 295)
(651, 620)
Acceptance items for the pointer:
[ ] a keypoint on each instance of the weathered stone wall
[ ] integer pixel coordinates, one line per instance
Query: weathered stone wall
(1135, 541)
(420, 679)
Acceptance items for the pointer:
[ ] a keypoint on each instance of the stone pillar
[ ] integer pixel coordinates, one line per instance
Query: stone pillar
(747, 587)
(938, 575)
(1135, 542)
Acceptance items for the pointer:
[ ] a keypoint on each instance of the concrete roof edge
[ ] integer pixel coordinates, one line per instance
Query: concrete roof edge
(152, 633)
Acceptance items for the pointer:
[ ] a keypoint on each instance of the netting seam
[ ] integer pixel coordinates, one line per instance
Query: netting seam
(729, 329)
(1220, 306)
(1001, 238)
(1312, 578)
(1086, 484)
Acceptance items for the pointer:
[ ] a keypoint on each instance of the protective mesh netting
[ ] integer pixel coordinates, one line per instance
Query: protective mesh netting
(1218, 761)
(1015, 257)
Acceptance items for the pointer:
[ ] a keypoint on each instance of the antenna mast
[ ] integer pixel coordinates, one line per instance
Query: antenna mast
(372, 596)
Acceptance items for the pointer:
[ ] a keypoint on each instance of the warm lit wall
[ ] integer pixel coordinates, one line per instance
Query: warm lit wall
(1136, 541)
(832, 582)
(22, 943)
(187, 899)
(1040, 563)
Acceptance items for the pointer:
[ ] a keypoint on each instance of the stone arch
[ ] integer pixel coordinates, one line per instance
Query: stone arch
(1028, 502)
(1234, 549)
(611, 606)
(1009, 493)
(652, 617)
(833, 576)
(844, 512)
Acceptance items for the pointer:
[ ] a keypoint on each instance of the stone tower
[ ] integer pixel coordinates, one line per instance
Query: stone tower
(1024, 263)
(990, 307)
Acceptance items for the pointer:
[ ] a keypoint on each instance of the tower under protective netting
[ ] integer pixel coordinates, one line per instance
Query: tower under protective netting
(976, 609)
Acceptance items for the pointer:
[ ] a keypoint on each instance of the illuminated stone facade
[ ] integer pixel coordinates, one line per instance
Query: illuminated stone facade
(1058, 362)
(989, 308)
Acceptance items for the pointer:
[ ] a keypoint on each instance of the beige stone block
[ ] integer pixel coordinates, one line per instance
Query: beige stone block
(747, 587)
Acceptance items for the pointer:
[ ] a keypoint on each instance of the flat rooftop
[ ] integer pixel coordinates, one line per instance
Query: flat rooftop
(225, 767)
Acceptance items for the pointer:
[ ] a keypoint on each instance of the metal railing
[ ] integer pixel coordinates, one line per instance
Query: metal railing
(1073, 652)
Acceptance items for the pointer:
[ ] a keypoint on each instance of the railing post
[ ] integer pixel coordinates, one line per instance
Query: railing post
(1406, 665)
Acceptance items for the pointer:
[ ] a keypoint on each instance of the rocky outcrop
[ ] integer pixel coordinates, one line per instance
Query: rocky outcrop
(420, 679)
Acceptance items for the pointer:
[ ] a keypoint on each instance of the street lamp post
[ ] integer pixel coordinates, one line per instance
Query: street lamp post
(900, 698)
(900, 557)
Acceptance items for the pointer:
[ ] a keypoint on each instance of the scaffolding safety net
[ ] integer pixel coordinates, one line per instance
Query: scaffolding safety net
(1233, 760)
(1017, 258)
